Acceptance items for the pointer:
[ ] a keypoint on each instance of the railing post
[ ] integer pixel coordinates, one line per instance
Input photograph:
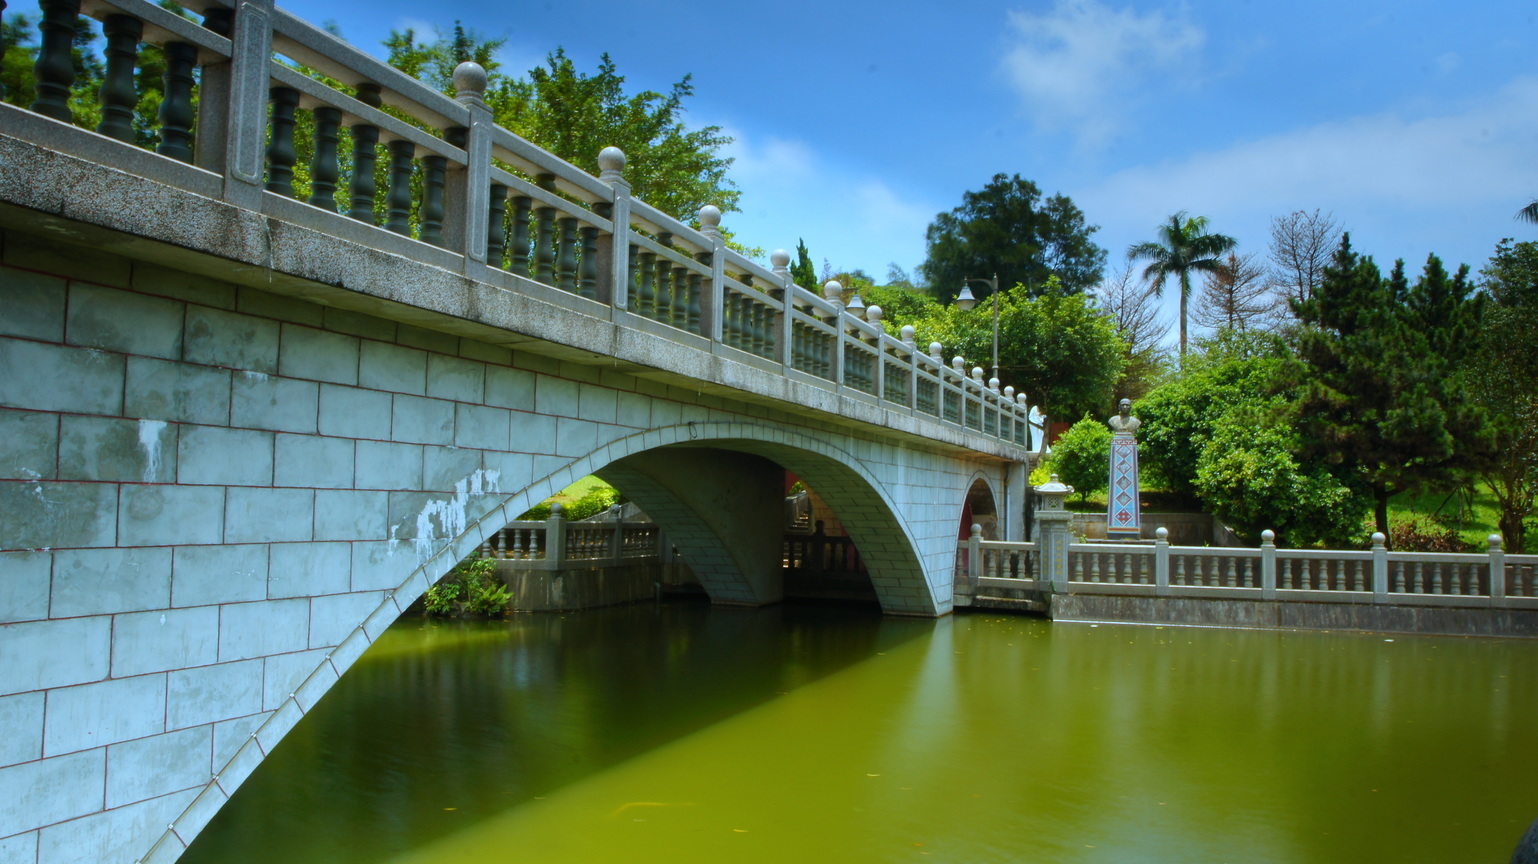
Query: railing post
(710, 309)
(467, 192)
(912, 368)
(1497, 571)
(834, 294)
(974, 558)
(242, 124)
(555, 535)
(1268, 564)
(617, 540)
(780, 261)
(1379, 568)
(873, 316)
(1054, 522)
(615, 274)
(1162, 562)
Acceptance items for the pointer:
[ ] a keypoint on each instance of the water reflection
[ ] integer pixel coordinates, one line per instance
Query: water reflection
(682, 733)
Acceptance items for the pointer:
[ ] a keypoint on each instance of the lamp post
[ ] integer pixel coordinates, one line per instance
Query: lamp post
(966, 301)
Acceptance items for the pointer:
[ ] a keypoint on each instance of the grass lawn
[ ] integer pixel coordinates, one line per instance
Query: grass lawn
(1474, 520)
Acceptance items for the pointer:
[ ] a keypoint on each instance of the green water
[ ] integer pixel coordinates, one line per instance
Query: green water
(680, 733)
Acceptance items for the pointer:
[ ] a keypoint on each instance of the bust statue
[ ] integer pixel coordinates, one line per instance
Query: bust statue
(1124, 423)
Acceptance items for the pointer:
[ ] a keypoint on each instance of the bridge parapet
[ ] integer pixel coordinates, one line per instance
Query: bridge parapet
(470, 197)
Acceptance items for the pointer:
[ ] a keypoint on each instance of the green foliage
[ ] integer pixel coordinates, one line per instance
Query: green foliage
(900, 305)
(1006, 229)
(1059, 348)
(1384, 374)
(575, 115)
(1500, 377)
(1249, 476)
(803, 272)
(1081, 458)
(594, 501)
(1184, 245)
(471, 588)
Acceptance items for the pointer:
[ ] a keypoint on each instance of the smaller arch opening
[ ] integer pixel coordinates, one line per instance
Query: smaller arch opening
(980, 508)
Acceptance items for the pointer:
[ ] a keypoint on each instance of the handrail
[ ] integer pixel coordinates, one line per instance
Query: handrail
(507, 212)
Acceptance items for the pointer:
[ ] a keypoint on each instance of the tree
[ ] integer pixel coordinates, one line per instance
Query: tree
(1008, 230)
(1081, 457)
(804, 272)
(1383, 390)
(1223, 431)
(1301, 245)
(1136, 315)
(575, 115)
(1529, 213)
(1236, 296)
(1501, 382)
(1183, 245)
(1057, 347)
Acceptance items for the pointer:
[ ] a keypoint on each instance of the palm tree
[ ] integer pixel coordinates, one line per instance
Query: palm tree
(1529, 213)
(1183, 245)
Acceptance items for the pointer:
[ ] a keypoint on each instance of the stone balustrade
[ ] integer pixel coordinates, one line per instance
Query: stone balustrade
(1375, 576)
(555, 543)
(475, 198)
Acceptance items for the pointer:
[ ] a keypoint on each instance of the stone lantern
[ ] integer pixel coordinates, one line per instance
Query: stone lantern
(1053, 524)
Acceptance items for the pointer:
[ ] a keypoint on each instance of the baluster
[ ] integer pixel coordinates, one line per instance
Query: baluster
(398, 196)
(496, 225)
(176, 108)
(485, 549)
(1233, 575)
(1436, 577)
(502, 544)
(566, 256)
(365, 155)
(518, 234)
(117, 96)
(733, 313)
(518, 551)
(434, 168)
(544, 235)
(54, 71)
(663, 298)
(1398, 576)
(678, 306)
(1180, 569)
(280, 150)
(1286, 580)
(325, 168)
(1454, 578)
(587, 266)
(692, 309)
(645, 300)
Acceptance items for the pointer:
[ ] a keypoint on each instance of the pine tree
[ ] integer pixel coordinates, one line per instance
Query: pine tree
(1383, 393)
(804, 272)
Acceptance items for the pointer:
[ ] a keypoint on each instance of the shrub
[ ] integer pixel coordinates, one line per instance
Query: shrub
(470, 588)
(1082, 457)
(1422, 535)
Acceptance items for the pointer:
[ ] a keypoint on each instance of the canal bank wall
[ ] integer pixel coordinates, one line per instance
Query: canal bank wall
(1290, 615)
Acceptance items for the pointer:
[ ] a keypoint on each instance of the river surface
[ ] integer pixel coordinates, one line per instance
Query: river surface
(681, 733)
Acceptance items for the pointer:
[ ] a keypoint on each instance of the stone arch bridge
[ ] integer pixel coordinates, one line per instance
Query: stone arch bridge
(240, 433)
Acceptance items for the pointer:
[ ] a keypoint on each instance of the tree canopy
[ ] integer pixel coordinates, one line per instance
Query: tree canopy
(1383, 376)
(575, 115)
(1501, 382)
(1008, 229)
(1184, 245)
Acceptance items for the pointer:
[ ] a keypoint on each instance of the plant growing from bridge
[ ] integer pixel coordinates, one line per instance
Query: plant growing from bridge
(471, 588)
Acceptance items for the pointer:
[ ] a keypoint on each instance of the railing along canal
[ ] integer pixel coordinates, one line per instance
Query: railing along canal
(1376, 575)
(555, 543)
(466, 194)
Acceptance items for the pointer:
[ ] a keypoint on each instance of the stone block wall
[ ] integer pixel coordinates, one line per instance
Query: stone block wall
(215, 498)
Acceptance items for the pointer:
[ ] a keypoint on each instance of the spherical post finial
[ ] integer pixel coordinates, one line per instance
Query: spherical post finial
(831, 290)
(907, 333)
(779, 259)
(611, 164)
(993, 384)
(977, 374)
(710, 219)
(470, 82)
(936, 350)
(1009, 392)
(960, 365)
(874, 314)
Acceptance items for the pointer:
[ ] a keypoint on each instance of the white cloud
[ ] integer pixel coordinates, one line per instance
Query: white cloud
(1404, 186)
(850, 217)
(1079, 66)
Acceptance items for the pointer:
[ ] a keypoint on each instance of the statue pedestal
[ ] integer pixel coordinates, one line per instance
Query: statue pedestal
(1124, 518)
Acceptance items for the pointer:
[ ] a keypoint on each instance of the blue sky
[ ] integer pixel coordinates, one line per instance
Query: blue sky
(1415, 123)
